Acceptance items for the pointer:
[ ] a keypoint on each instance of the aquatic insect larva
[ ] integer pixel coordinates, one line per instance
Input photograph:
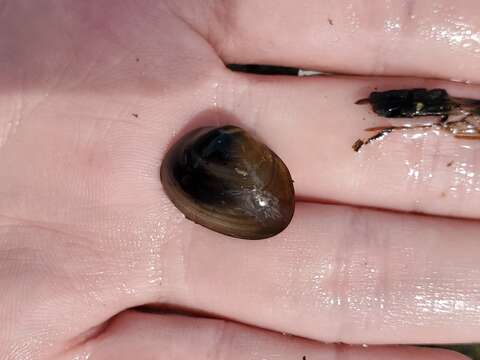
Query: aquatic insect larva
(459, 116)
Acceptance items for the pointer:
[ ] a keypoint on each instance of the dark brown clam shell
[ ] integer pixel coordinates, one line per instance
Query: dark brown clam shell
(224, 179)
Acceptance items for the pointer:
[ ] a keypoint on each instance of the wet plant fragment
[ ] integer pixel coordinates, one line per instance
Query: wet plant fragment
(458, 116)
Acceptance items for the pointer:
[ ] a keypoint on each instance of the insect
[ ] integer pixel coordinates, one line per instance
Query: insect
(224, 179)
(459, 116)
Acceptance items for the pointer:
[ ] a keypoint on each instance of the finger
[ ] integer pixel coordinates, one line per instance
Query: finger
(340, 275)
(313, 123)
(335, 275)
(147, 336)
(398, 37)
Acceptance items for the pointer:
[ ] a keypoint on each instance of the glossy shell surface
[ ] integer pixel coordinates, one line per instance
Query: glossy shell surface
(224, 179)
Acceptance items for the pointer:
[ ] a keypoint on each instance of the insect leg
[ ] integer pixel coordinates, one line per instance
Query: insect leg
(468, 136)
(362, 101)
(468, 130)
(445, 123)
(461, 128)
(382, 131)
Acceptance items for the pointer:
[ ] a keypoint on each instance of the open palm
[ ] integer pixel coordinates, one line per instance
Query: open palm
(95, 261)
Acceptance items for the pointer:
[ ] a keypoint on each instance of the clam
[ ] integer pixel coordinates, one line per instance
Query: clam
(224, 179)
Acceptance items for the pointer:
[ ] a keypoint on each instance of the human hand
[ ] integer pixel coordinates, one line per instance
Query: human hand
(93, 92)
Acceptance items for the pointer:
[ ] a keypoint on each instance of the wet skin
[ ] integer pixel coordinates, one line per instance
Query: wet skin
(96, 262)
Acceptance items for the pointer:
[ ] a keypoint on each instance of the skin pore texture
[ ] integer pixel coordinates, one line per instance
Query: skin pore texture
(383, 247)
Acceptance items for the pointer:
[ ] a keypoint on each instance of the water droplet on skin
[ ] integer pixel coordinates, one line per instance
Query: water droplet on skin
(469, 43)
(392, 25)
(215, 87)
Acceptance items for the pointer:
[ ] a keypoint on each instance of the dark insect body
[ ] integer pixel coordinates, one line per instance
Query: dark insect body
(224, 179)
(411, 103)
